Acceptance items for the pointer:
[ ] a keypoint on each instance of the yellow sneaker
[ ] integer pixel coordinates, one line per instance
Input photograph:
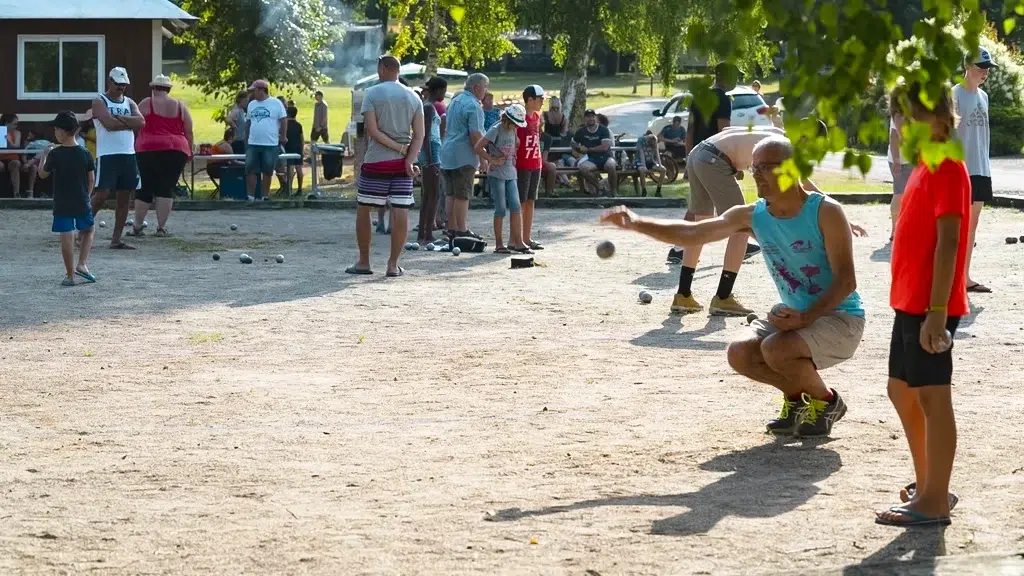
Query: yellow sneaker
(685, 305)
(727, 307)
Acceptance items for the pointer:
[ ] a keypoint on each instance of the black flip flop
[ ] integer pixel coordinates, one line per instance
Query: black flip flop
(502, 250)
(912, 519)
(979, 289)
(122, 246)
(358, 271)
(953, 498)
(396, 273)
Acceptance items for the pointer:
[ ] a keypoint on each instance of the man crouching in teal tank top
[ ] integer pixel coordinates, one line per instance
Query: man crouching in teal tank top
(808, 246)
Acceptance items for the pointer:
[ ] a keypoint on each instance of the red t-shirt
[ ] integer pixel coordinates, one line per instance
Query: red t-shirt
(440, 107)
(528, 154)
(930, 195)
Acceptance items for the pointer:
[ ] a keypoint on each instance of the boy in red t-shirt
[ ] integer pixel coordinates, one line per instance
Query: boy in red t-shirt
(929, 295)
(529, 163)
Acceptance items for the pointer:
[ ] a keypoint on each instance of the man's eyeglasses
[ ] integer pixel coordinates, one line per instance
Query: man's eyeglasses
(767, 168)
(119, 85)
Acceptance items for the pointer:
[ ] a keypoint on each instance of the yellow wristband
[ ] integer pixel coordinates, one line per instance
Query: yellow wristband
(936, 308)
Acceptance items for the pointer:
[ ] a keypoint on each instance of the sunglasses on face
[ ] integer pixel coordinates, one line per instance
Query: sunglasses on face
(121, 86)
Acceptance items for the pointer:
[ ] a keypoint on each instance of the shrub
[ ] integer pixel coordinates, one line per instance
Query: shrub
(1007, 128)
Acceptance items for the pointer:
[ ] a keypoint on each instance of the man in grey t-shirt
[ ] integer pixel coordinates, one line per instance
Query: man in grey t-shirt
(393, 116)
(971, 106)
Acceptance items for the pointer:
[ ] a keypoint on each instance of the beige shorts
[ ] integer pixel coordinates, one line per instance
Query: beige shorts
(832, 338)
(713, 184)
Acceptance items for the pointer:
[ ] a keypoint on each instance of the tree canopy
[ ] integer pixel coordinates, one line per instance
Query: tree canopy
(239, 41)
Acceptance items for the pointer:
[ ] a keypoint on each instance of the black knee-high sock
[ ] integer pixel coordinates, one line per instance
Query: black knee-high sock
(685, 280)
(725, 284)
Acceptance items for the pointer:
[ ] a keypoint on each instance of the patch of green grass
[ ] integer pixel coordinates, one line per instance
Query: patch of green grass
(831, 183)
(604, 90)
(206, 338)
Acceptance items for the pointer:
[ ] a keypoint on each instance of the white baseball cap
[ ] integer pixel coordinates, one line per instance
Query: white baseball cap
(517, 114)
(984, 59)
(119, 75)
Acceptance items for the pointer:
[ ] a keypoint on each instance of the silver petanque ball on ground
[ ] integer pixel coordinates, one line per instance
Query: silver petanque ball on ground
(605, 249)
(279, 258)
(456, 251)
(646, 297)
(234, 226)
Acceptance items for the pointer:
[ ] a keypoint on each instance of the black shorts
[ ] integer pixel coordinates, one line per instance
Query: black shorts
(981, 189)
(160, 171)
(117, 172)
(528, 182)
(909, 362)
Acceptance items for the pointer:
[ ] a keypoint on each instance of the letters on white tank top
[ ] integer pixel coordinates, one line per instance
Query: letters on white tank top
(118, 141)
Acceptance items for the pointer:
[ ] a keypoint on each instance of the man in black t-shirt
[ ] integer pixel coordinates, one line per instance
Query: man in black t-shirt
(595, 142)
(73, 173)
(700, 129)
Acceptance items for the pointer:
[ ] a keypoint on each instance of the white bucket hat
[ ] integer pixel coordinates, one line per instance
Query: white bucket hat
(517, 114)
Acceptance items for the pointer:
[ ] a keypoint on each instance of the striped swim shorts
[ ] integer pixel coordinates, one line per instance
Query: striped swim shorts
(383, 189)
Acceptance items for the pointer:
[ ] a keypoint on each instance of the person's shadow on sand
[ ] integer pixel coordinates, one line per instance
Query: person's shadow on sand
(766, 481)
(670, 336)
(924, 545)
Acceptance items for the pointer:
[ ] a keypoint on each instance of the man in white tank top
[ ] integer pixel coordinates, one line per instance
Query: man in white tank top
(117, 118)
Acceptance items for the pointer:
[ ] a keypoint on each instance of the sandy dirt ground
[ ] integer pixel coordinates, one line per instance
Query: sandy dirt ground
(191, 416)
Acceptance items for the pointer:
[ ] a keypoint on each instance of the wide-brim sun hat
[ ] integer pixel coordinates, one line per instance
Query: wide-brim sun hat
(161, 81)
(517, 114)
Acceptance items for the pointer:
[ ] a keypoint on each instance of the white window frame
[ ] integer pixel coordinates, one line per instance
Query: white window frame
(60, 39)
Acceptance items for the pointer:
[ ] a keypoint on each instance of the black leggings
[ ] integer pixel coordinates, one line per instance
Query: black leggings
(159, 171)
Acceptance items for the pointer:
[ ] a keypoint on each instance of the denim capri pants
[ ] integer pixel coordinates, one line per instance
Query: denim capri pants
(505, 194)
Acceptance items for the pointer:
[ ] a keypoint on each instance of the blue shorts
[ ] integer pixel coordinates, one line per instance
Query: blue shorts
(505, 194)
(261, 159)
(65, 224)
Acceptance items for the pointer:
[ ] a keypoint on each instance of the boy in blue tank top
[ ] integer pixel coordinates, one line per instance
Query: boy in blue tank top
(808, 247)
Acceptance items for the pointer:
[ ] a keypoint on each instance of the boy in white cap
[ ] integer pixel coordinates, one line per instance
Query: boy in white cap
(117, 118)
(530, 165)
(971, 105)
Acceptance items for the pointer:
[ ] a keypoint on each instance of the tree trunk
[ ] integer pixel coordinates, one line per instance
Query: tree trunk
(635, 69)
(574, 80)
(432, 42)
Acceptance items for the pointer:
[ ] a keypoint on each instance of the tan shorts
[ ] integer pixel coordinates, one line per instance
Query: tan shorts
(713, 184)
(832, 338)
(459, 182)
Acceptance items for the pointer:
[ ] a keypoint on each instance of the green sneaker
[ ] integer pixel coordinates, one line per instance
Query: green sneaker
(789, 418)
(819, 416)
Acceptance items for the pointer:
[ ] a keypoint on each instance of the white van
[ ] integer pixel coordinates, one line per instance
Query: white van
(414, 74)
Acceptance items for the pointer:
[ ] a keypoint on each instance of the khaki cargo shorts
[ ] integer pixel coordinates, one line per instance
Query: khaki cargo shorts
(832, 338)
(713, 185)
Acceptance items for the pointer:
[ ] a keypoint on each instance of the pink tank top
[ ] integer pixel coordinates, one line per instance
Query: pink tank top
(163, 133)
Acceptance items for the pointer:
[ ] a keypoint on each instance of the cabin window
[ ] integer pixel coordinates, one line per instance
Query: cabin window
(60, 67)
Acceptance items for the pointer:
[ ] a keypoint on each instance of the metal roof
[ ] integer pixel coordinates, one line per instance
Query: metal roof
(91, 10)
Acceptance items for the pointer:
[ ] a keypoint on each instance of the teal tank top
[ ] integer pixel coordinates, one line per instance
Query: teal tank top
(794, 250)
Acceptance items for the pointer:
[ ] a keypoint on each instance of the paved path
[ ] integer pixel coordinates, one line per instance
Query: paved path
(1007, 173)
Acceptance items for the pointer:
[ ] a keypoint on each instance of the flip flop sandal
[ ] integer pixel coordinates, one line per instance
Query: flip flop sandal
(67, 282)
(122, 246)
(135, 233)
(523, 250)
(979, 289)
(536, 246)
(86, 275)
(396, 273)
(502, 250)
(358, 271)
(911, 519)
(911, 488)
(161, 233)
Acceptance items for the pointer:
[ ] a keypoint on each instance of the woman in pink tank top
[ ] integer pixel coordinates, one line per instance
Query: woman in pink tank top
(162, 149)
